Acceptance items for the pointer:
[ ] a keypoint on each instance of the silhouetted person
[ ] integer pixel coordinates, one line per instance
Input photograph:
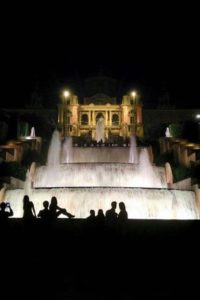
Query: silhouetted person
(56, 211)
(4, 215)
(91, 222)
(122, 219)
(123, 216)
(29, 209)
(44, 214)
(91, 216)
(100, 222)
(111, 215)
(29, 215)
(100, 218)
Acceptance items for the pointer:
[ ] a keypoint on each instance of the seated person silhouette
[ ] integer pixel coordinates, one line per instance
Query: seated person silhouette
(91, 220)
(100, 214)
(56, 211)
(4, 215)
(91, 216)
(100, 218)
(44, 214)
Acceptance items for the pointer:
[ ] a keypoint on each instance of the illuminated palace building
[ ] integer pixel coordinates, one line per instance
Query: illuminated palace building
(120, 117)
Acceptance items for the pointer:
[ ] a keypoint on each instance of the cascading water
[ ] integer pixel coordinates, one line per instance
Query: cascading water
(133, 154)
(54, 153)
(32, 135)
(149, 174)
(100, 133)
(140, 203)
(67, 153)
(99, 175)
(142, 174)
(80, 187)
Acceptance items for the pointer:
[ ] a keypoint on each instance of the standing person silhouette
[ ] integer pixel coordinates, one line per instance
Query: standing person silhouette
(28, 208)
(111, 215)
(123, 216)
(29, 215)
(122, 219)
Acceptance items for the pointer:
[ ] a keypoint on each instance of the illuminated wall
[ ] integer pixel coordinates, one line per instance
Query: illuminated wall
(122, 119)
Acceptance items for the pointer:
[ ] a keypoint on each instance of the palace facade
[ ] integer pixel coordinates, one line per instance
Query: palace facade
(120, 120)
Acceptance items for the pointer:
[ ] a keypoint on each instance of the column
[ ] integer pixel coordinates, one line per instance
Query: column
(139, 114)
(93, 118)
(106, 118)
(89, 118)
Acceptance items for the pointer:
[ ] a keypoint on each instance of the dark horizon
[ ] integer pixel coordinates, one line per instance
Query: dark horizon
(156, 53)
(144, 78)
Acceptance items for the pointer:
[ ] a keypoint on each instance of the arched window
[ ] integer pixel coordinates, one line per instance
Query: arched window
(84, 119)
(115, 120)
(98, 116)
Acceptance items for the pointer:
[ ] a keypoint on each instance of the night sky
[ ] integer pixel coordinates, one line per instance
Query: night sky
(152, 49)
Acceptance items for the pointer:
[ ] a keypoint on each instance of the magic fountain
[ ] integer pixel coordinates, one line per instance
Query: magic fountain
(92, 177)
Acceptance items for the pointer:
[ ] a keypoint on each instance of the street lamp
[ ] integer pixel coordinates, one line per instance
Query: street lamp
(133, 103)
(198, 116)
(198, 121)
(133, 94)
(66, 95)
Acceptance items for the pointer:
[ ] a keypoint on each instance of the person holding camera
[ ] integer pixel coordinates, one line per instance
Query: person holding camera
(4, 214)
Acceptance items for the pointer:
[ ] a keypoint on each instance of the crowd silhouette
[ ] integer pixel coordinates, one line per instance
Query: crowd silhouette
(51, 211)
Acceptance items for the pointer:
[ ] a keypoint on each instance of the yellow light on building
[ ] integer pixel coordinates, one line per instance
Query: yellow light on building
(66, 93)
(133, 94)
